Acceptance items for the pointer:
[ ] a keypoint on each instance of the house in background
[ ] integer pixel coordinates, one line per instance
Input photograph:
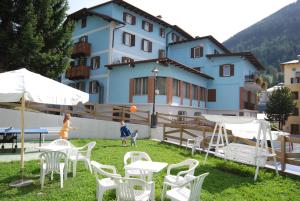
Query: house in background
(116, 46)
(291, 71)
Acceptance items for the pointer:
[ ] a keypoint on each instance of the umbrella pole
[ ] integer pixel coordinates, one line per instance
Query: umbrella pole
(22, 182)
(22, 135)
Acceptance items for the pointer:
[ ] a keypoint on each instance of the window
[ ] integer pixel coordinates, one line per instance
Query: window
(141, 86)
(186, 90)
(83, 39)
(176, 87)
(297, 74)
(294, 129)
(127, 60)
(161, 53)
(80, 86)
(95, 62)
(175, 37)
(195, 92)
(161, 85)
(162, 32)
(296, 112)
(197, 52)
(147, 26)
(226, 70)
(82, 61)
(83, 22)
(93, 87)
(295, 95)
(211, 95)
(128, 18)
(146, 45)
(128, 39)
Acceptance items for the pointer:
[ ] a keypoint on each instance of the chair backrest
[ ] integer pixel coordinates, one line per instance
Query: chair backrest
(52, 160)
(196, 186)
(135, 156)
(61, 142)
(192, 164)
(126, 187)
(102, 169)
(89, 146)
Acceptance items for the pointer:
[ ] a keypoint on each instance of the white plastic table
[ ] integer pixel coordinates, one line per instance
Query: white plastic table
(53, 148)
(150, 166)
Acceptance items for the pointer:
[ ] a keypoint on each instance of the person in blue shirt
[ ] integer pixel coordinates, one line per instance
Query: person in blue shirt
(125, 132)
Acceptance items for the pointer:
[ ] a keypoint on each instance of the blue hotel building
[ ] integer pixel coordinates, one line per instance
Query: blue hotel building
(116, 46)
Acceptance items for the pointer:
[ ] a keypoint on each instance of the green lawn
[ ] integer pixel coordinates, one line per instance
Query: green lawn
(226, 181)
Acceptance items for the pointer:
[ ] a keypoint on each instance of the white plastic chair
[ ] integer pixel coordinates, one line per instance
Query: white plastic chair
(133, 189)
(181, 177)
(81, 154)
(61, 142)
(53, 161)
(189, 191)
(194, 143)
(133, 156)
(105, 183)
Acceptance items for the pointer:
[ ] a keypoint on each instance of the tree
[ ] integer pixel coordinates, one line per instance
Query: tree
(280, 105)
(36, 36)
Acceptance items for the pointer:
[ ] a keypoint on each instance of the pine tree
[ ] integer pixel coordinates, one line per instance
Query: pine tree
(42, 37)
(280, 106)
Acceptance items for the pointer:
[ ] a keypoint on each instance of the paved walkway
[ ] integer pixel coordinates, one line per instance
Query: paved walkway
(31, 152)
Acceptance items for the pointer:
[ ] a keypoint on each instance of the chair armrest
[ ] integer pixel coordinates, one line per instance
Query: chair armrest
(110, 167)
(172, 166)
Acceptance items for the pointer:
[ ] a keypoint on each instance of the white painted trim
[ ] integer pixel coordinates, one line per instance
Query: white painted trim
(129, 55)
(90, 32)
(144, 37)
(99, 52)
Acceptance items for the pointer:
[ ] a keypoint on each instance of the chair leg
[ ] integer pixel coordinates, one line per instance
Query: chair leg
(51, 175)
(74, 168)
(88, 163)
(152, 192)
(61, 178)
(100, 192)
(163, 193)
(42, 179)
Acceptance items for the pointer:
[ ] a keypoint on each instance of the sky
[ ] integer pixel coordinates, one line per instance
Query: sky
(219, 18)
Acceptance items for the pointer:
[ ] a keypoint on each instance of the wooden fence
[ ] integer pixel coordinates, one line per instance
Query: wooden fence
(285, 156)
(97, 111)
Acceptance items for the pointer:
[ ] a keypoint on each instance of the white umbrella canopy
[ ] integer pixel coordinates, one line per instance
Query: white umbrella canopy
(23, 85)
(37, 88)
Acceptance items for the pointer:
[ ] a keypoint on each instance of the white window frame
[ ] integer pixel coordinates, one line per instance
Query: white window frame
(127, 41)
(146, 26)
(94, 59)
(146, 45)
(128, 18)
(197, 52)
(141, 84)
(95, 87)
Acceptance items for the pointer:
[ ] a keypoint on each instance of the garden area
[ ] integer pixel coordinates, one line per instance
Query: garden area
(227, 181)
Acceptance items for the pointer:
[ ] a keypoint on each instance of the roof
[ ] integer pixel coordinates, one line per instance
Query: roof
(248, 55)
(86, 12)
(146, 15)
(222, 47)
(291, 62)
(163, 62)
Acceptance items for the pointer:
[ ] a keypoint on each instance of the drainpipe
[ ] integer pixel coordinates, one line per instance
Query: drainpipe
(113, 36)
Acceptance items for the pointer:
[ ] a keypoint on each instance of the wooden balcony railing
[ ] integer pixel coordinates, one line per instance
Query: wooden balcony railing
(81, 49)
(78, 72)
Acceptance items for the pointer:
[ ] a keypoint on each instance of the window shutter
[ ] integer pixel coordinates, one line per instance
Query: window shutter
(143, 24)
(231, 70)
(90, 87)
(92, 62)
(133, 20)
(192, 53)
(132, 40)
(201, 51)
(143, 40)
(221, 71)
(123, 37)
(151, 28)
(124, 17)
(150, 47)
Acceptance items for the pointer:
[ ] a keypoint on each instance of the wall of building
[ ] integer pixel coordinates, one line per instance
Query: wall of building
(85, 128)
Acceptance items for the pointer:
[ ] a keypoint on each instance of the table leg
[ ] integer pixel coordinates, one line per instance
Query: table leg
(40, 139)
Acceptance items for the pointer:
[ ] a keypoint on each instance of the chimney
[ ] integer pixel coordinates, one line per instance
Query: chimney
(159, 16)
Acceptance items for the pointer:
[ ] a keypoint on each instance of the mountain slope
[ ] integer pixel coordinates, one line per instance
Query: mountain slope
(273, 40)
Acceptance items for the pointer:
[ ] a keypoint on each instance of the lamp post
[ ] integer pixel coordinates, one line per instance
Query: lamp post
(153, 115)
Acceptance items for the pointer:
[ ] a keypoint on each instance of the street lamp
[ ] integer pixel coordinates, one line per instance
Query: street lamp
(153, 115)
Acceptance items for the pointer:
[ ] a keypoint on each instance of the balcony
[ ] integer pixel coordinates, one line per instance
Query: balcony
(249, 106)
(250, 78)
(295, 80)
(78, 72)
(81, 49)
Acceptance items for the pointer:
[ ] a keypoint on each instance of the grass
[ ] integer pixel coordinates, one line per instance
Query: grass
(227, 181)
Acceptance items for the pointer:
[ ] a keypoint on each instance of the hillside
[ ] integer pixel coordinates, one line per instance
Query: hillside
(273, 40)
